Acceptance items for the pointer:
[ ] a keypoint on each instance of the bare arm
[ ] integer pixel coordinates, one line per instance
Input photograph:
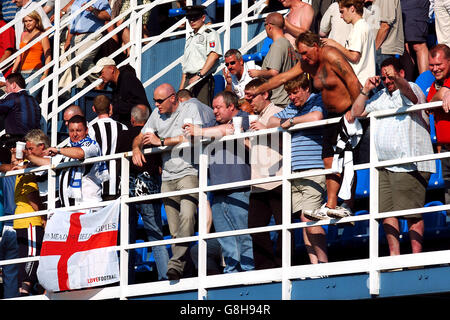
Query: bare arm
(382, 34)
(70, 152)
(278, 80)
(209, 63)
(352, 56)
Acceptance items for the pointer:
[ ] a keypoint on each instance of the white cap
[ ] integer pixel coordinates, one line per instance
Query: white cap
(105, 61)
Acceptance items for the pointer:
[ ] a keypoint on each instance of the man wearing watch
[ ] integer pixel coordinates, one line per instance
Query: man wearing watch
(164, 128)
(308, 193)
(201, 55)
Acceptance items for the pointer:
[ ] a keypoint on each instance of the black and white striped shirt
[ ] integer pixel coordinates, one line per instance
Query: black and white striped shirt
(106, 132)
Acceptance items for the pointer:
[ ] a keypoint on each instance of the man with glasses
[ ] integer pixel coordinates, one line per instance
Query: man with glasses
(401, 186)
(164, 128)
(236, 72)
(201, 55)
(128, 90)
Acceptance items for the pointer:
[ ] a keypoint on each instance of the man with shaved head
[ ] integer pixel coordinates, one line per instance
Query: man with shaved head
(280, 58)
(164, 128)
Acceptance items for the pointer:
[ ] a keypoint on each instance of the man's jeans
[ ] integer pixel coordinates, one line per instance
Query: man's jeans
(144, 184)
(230, 212)
(9, 250)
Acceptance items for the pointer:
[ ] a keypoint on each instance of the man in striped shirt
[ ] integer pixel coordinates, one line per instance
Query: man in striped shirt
(308, 193)
(106, 132)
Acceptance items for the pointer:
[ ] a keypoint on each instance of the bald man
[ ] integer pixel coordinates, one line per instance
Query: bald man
(280, 58)
(164, 128)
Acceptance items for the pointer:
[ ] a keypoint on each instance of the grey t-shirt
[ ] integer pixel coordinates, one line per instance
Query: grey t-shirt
(176, 163)
(281, 57)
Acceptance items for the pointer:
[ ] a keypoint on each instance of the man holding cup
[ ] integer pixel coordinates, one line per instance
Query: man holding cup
(227, 163)
(266, 161)
(164, 128)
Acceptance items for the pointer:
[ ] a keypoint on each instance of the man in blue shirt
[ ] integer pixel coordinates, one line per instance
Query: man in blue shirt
(229, 162)
(21, 110)
(82, 26)
(308, 193)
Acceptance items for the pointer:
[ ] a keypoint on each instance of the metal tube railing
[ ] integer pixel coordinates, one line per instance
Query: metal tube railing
(374, 264)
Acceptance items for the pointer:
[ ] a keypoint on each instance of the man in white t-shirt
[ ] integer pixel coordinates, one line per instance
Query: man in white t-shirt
(26, 7)
(236, 71)
(359, 47)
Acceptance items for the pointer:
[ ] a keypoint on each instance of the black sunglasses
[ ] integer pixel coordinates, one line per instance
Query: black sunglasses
(384, 78)
(230, 63)
(160, 101)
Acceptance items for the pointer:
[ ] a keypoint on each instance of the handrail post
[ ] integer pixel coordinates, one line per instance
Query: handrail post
(124, 225)
(202, 218)
(374, 272)
(286, 215)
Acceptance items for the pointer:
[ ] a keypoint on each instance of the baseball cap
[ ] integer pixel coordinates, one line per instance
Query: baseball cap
(105, 61)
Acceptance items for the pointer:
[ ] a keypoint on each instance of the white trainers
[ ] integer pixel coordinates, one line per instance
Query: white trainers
(340, 211)
(317, 214)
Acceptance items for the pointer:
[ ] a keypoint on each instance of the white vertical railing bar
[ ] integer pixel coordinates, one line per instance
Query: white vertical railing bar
(374, 273)
(286, 216)
(124, 225)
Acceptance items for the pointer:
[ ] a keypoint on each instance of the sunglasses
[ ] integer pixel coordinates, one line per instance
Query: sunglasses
(160, 101)
(230, 63)
(384, 78)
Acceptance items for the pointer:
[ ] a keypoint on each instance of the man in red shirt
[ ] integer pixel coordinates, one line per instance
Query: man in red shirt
(439, 65)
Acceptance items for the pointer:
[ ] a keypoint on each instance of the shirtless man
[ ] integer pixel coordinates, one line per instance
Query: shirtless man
(298, 19)
(334, 77)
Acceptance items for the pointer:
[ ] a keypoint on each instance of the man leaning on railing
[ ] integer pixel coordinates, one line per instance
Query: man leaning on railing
(401, 186)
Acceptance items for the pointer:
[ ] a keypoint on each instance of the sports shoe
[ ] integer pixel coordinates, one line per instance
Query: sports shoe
(340, 211)
(317, 214)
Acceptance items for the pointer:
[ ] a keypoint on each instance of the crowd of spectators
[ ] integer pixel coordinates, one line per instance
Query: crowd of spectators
(363, 57)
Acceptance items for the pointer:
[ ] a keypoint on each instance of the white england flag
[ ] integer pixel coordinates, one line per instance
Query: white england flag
(77, 249)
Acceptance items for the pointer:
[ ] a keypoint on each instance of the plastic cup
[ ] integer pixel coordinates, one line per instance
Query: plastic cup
(149, 130)
(237, 123)
(20, 146)
(252, 117)
(187, 120)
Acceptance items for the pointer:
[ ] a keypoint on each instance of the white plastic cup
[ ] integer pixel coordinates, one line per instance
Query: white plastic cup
(149, 130)
(187, 120)
(252, 117)
(20, 146)
(237, 123)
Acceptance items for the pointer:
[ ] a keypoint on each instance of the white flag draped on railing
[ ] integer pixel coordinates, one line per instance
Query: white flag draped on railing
(76, 250)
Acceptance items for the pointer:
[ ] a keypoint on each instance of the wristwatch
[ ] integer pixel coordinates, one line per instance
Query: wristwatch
(58, 150)
(364, 93)
(63, 12)
(200, 75)
(162, 141)
(291, 121)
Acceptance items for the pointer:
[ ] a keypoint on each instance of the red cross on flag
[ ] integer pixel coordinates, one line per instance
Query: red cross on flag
(77, 249)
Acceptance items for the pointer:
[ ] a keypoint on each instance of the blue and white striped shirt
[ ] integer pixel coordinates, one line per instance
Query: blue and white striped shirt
(306, 144)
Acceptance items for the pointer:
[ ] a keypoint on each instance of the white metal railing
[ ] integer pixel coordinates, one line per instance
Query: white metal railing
(287, 273)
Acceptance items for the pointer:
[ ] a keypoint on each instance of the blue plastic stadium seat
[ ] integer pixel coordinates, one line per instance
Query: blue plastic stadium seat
(432, 129)
(221, 3)
(425, 80)
(177, 12)
(358, 234)
(259, 56)
(219, 83)
(436, 179)
(143, 260)
(435, 222)
(362, 184)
